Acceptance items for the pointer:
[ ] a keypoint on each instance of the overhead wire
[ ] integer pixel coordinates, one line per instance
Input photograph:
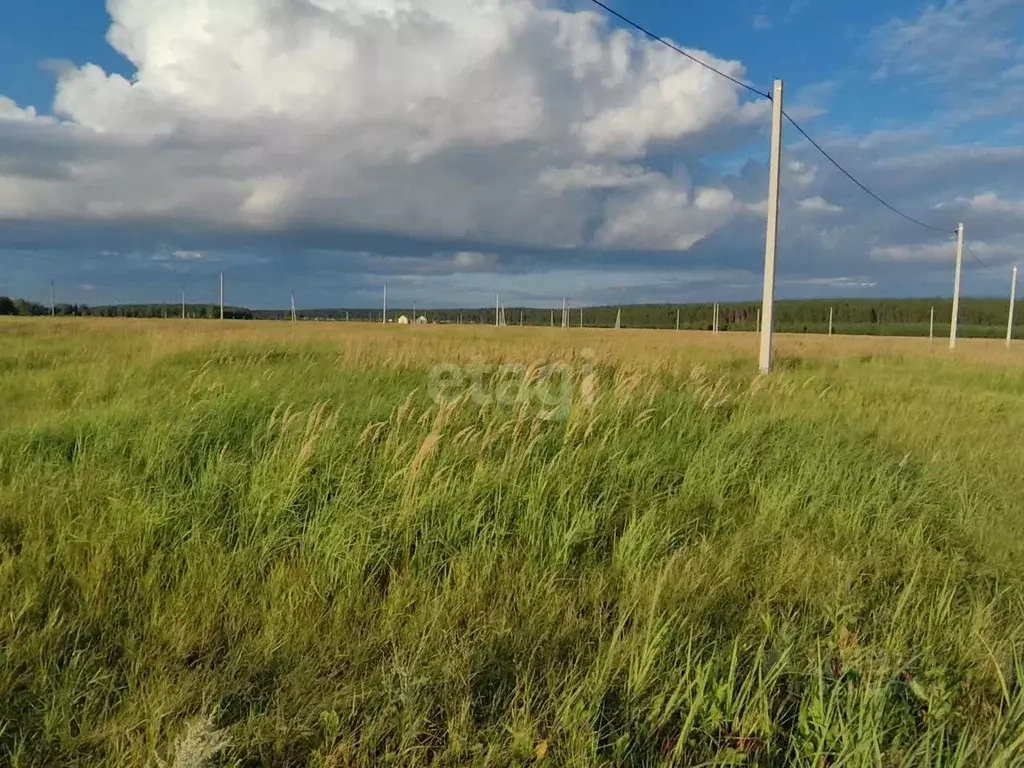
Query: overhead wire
(975, 256)
(679, 50)
(851, 177)
(878, 198)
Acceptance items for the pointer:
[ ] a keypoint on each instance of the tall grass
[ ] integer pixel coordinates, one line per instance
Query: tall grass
(227, 547)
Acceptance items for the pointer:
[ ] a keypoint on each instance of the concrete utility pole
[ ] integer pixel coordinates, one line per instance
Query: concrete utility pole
(581, 317)
(771, 240)
(1013, 301)
(497, 310)
(53, 300)
(931, 326)
(677, 319)
(714, 322)
(222, 294)
(384, 316)
(757, 322)
(552, 318)
(956, 286)
(294, 318)
(830, 314)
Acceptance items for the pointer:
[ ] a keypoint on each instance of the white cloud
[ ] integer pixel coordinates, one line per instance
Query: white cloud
(818, 204)
(833, 282)
(915, 252)
(667, 216)
(509, 120)
(948, 39)
(761, 22)
(990, 202)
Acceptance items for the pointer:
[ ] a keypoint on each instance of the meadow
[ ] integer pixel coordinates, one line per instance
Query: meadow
(239, 544)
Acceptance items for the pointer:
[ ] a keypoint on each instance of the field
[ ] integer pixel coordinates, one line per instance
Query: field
(337, 545)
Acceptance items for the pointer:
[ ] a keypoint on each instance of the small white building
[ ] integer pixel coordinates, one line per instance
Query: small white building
(421, 320)
(403, 320)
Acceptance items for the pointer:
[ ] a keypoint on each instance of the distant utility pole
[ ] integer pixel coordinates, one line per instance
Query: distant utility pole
(565, 313)
(182, 303)
(552, 318)
(222, 294)
(956, 285)
(497, 310)
(520, 317)
(830, 311)
(714, 322)
(294, 318)
(1013, 300)
(931, 326)
(581, 317)
(384, 316)
(677, 319)
(757, 322)
(771, 240)
(53, 300)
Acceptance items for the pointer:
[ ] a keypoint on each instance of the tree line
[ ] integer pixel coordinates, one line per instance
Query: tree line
(26, 308)
(979, 317)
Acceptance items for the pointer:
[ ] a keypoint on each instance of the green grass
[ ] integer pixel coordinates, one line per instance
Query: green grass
(278, 535)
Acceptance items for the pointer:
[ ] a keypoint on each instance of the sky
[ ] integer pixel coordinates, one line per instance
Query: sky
(540, 148)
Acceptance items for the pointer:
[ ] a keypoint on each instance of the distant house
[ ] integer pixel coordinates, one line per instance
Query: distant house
(421, 320)
(403, 320)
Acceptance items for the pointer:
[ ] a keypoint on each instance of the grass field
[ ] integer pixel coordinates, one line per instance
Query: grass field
(268, 544)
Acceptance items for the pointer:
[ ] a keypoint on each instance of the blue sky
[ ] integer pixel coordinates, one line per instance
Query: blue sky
(452, 147)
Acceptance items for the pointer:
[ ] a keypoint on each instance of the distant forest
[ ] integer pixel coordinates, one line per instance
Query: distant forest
(907, 317)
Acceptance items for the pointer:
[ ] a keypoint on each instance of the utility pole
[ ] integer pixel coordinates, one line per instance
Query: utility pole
(294, 318)
(384, 316)
(581, 317)
(956, 285)
(757, 325)
(931, 326)
(677, 319)
(222, 294)
(771, 240)
(497, 310)
(53, 300)
(830, 311)
(1013, 301)
(182, 303)
(520, 318)
(714, 320)
(552, 318)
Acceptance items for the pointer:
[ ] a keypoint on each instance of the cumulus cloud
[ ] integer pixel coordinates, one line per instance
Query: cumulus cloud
(506, 120)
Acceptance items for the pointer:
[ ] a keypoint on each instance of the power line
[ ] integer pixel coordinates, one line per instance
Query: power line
(975, 256)
(793, 122)
(679, 50)
(852, 178)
